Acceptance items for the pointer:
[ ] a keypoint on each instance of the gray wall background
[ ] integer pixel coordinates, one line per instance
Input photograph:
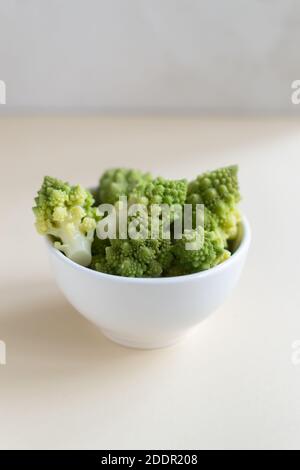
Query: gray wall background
(150, 55)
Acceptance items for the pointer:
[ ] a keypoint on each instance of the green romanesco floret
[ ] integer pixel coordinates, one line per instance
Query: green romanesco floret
(135, 258)
(66, 213)
(99, 254)
(206, 251)
(160, 191)
(162, 198)
(219, 192)
(119, 182)
(99, 264)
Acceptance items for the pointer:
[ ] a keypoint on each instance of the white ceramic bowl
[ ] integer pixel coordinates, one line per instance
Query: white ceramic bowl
(148, 313)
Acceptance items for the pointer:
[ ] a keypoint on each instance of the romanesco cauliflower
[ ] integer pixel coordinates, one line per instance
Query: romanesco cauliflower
(219, 192)
(211, 253)
(160, 191)
(66, 213)
(135, 258)
(119, 182)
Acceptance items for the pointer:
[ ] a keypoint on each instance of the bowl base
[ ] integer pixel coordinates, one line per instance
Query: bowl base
(140, 344)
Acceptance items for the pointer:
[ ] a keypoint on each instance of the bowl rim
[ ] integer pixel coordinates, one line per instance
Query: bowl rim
(243, 246)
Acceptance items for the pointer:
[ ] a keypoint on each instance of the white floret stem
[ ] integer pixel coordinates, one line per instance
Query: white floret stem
(76, 245)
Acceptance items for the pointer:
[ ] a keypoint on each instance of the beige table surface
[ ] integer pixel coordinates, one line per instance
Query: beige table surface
(234, 384)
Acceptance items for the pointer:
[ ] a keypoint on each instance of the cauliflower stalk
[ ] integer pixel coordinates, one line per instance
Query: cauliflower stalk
(66, 213)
